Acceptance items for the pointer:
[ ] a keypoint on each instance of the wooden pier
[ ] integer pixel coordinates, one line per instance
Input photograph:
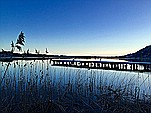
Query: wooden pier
(107, 65)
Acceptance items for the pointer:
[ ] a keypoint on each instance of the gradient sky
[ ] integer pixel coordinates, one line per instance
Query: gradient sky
(84, 27)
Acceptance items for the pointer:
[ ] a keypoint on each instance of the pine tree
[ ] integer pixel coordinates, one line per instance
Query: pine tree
(20, 42)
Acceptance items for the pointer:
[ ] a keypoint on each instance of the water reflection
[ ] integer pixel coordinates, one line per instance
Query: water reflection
(38, 81)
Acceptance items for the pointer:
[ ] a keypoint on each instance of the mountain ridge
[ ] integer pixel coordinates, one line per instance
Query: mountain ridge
(143, 54)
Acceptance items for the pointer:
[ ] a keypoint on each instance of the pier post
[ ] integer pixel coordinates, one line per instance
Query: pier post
(98, 65)
(127, 66)
(133, 65)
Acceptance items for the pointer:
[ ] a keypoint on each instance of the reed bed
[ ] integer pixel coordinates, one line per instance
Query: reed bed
(36, 86)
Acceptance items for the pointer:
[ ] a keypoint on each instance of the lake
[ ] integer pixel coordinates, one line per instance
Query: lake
(36, 83)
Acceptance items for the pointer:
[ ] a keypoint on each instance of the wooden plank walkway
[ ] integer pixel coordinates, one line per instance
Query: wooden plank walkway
(107, 65)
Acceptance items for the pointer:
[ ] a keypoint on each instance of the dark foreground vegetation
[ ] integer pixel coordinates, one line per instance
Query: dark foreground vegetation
(72, 102)
(37, 87)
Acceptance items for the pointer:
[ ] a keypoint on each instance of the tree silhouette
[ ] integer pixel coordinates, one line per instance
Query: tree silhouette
(13, 46)
(27, 51)
(19, 47)
(47, 50)
(21, 39)
(36, 51)
(20, 42)
(2, 50)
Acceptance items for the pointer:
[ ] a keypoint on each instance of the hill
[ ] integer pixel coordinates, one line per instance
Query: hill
(143, 54)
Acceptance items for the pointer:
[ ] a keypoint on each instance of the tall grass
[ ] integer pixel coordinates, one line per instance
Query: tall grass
(36, 86)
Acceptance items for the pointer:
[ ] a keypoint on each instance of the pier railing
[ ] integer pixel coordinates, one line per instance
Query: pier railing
(108, 65)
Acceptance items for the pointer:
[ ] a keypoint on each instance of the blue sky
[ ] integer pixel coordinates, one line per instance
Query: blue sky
(84, 27)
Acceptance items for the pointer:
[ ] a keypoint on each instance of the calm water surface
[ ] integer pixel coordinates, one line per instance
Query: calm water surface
(40, 80)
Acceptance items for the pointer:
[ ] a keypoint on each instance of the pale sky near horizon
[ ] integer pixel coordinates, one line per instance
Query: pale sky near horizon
(81, 27)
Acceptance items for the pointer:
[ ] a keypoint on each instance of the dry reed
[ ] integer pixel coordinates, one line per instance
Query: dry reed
(36, 86)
